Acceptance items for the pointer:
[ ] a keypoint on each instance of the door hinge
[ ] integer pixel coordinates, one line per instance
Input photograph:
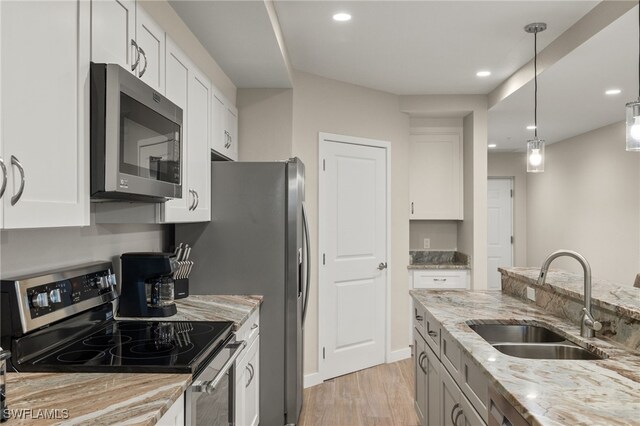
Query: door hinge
(324, 353)
(324, 164)
(324, 260)
(512, 239)
(511, 190)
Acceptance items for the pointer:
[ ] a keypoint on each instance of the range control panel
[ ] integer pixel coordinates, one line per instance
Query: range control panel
(56, 295)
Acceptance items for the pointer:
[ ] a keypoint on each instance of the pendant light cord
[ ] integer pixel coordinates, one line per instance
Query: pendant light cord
(535, 81)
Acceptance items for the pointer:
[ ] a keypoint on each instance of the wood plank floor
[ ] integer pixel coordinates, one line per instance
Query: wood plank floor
(382, 395)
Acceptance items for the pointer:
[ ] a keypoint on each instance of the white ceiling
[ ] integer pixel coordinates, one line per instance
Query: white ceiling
(420, 47)
(571, 98)
(239, 35)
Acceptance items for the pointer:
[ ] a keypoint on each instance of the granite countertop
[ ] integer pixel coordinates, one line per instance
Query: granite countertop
(122, 398)
(433, 259)
(545, 392)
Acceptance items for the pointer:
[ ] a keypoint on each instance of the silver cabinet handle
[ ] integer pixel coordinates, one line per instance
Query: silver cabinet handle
(439, 279)
(144, 55)
(419, 317)
(412, 207)
(423, 356)
(197, 199)
(382, 265)
(455, 407)
(227, 139)
(16, 197)
(193, 202)
(254, 326)
(252, 372)
(4, 177)
(135, 64)
(433, 334)
(455, 420)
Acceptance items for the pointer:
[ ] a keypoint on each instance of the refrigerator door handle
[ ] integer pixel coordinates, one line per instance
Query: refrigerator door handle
(305, 224)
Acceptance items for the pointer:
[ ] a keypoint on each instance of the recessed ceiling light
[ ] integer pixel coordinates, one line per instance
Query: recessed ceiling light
(483, 73)
(341, 17)
(613, 92)
(532, 127)
(492, 145)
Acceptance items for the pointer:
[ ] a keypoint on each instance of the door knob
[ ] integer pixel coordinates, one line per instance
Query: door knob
(382, 265)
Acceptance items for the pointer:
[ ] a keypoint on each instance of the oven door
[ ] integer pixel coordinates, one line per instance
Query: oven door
(210, 400)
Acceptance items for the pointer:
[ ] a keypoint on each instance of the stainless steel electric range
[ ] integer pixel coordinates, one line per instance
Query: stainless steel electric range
(62, 321)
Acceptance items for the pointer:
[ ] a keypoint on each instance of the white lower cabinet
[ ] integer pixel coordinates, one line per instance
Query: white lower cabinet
(175, 415)
(247, 382)
(449, 390)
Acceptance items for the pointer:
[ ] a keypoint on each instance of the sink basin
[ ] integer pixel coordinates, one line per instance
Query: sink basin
(516, 333)
(546, 351)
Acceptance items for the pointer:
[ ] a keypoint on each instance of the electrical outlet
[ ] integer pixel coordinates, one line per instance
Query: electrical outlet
(427, 243)
(531, 294)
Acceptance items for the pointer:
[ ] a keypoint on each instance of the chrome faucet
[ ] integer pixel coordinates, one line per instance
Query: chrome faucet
(588, 325)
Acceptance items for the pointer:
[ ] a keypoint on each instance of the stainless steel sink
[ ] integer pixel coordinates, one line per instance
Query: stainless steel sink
(546, 351)
(518, 333)
(531, 341)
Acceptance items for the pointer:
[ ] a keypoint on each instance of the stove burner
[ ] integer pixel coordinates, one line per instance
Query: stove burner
(105, 341)
(151, 349)
(82, 356)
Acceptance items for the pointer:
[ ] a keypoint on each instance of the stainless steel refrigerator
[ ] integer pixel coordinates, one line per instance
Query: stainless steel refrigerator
(257, 243)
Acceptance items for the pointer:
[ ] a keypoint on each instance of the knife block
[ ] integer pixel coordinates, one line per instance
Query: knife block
(181, 288)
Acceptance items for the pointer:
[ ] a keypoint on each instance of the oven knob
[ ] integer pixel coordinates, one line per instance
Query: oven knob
(40, 300)
(55, 296)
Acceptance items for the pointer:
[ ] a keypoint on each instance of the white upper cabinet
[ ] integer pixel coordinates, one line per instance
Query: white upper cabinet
(44, 117)
(123, 33)
(113, 38)
(435, 175)
(190, 90)
(225, 127)
(150, 39)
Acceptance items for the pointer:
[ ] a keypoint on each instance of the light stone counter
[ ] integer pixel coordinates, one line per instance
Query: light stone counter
(117, 398)
(545, 392)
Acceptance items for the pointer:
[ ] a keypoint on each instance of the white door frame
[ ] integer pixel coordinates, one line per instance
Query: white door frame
(331, 137)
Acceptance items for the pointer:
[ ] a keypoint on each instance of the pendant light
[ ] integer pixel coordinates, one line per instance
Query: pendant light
(633, 109)
(535, 146)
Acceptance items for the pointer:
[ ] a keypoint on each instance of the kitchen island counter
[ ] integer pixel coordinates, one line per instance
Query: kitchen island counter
(116, 398)
(545, 392)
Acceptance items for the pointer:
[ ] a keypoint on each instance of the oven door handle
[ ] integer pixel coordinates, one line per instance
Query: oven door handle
(210, 386)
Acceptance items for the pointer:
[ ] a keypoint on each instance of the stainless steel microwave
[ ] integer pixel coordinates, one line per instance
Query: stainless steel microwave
(136, 139)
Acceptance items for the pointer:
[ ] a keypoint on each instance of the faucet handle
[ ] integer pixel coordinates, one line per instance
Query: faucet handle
(590, 322)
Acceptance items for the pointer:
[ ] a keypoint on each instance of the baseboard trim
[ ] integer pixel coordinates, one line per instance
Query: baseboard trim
(312, 379)
(399, 355)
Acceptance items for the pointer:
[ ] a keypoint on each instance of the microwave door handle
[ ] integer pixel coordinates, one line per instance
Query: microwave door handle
(210, 386)
(307, 257)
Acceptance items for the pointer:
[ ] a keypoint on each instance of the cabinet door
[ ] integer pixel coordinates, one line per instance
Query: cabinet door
(151, 39)
(113, 26)
(218, 117)
(252, 387)
(469, 416)
(432, 388)
(435, 173)
(198, 147)
(177, 89)
(450, 396)
(49, 142)
(232, 128)
(419, 374)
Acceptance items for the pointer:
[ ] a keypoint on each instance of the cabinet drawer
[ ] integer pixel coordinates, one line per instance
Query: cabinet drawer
(250, 329)
(450, 355)
(432, 332)
(419, 318)
(438, 279)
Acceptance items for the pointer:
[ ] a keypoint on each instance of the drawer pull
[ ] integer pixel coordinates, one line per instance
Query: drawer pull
(453, 410)
(440, 279)
(419, 317)
(433, 334)
(254, 326)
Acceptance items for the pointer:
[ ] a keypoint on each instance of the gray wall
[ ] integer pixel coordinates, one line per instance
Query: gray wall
(265, 124)
(588, 200)
(442, 233)
(25, 251)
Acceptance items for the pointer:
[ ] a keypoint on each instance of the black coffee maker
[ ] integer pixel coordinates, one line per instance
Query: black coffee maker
(147, 288)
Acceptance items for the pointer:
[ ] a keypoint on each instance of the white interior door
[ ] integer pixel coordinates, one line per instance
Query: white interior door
(353, 242)
(499, 228)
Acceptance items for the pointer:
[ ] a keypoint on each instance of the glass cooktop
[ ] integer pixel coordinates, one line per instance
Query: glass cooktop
(139, 347)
